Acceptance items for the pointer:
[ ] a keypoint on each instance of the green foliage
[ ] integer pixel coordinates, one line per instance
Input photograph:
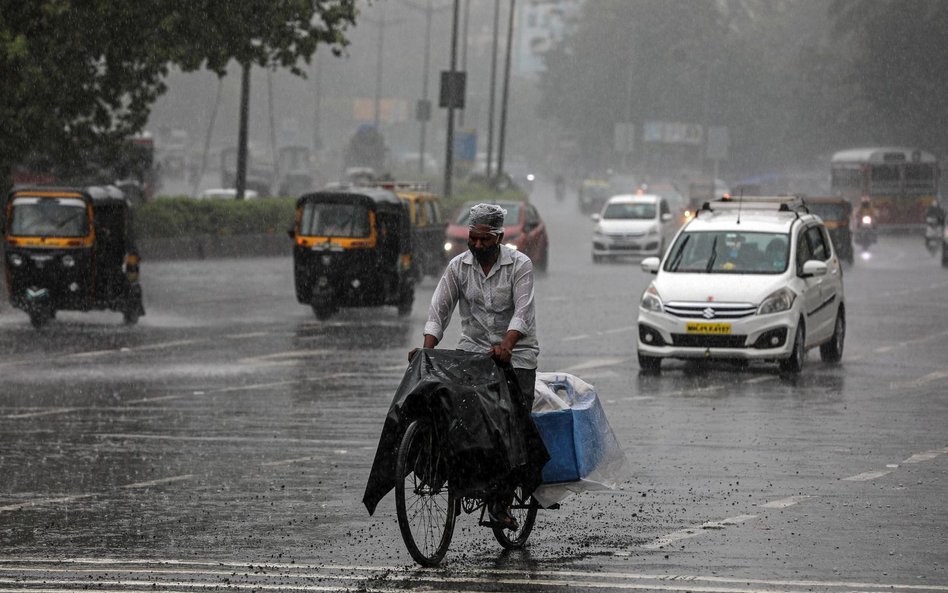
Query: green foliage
(80, 75)
(181, 217)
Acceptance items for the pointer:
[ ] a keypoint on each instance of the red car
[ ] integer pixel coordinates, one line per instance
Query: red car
(524, 230)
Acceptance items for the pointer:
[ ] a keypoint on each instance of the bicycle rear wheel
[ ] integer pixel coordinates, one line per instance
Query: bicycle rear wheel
(525, 512)
(424, 502)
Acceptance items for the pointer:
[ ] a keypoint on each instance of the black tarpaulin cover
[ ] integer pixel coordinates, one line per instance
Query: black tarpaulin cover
(490, 440)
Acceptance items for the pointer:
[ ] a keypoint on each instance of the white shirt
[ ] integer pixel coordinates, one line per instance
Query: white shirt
(491, 305)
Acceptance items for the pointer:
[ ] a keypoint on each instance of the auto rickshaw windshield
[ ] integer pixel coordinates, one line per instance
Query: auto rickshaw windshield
(830, 211)
(49, 217)
(332, 219)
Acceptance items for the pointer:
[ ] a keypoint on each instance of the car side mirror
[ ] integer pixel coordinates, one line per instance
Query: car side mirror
(650, 265)
(814, 267)
(596, 217)
(666, 217)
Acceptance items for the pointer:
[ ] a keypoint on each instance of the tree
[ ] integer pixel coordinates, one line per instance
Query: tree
(82, 74)
(731, 62)
(899, 68)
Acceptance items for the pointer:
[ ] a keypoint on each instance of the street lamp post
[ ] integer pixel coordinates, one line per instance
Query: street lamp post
(506, 92)
(376, 115)
(493, 91)
(449, 141)
(424, 91)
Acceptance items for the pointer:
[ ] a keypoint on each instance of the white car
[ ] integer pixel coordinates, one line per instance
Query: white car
(632, 224)
(756, 280)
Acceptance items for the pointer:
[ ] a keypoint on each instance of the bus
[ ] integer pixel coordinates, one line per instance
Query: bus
(900, 182)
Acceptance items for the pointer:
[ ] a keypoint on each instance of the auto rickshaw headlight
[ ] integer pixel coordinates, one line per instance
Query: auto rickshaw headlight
(326, 260)
(68, 261)
(16, 260)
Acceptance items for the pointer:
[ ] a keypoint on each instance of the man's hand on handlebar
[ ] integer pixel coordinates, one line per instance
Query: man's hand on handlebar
(501, 353)
(430, 342)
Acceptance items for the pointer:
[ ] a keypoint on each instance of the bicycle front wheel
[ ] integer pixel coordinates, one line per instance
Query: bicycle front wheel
(425, 504)
(525, 512)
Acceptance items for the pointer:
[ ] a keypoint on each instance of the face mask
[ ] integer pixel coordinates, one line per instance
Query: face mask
(485, 255)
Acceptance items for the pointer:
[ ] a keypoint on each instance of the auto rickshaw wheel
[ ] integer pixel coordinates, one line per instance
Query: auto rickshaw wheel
(40, 316)
(130, 316)
(323, 312)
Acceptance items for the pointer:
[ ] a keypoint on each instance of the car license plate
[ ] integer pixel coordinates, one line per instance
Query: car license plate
(708, 328)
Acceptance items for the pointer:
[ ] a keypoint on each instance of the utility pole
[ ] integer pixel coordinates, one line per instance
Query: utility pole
(378, 70)
(493, 91)
(242, 131)
(318, 104)
(467, 19)
(449, 142)
(424, 90)
(506, 92)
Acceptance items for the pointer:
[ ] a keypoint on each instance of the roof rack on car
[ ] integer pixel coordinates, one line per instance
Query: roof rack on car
(401, 185)
(795, 203)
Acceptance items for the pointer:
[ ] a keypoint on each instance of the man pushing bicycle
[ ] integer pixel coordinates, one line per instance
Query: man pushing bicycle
(493, 284)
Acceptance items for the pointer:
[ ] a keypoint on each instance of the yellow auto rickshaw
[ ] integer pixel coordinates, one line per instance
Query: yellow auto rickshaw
(836, 213)
(71, 248)
(427, 226)
(352, 248)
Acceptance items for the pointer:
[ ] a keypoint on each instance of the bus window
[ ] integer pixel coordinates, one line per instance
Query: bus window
(885, 174)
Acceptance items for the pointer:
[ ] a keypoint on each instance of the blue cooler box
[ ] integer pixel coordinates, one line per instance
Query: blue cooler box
(576, 438)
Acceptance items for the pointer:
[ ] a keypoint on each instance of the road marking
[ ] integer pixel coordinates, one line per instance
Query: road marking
(49, 412)
(575, 338)
(287, 355)
(926, 456)
(159, 481)
(681, 534)
(248, 335)
(584, 579)
(618, 330)
(296, 460)
(866, 476)
(785, 502)
(762, 379)
(42, 501)
(595, 364)
(226, 439)
(921, 381)
(161, 398)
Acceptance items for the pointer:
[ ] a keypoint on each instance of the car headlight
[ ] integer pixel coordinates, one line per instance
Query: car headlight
(597, 231)
(653, 230)
(780, 300)
(68, 261)
(16, 260)
(651, 301)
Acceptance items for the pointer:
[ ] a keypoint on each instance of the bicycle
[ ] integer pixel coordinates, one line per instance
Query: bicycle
(427, 504)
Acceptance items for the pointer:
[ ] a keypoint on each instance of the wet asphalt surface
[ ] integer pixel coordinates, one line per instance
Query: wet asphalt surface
(224, 443)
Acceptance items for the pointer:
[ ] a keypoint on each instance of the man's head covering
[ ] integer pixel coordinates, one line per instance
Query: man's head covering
(490, 215)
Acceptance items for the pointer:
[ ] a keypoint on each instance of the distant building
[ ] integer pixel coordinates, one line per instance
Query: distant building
(541, 24)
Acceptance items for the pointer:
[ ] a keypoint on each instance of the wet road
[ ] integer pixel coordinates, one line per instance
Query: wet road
(224, 443)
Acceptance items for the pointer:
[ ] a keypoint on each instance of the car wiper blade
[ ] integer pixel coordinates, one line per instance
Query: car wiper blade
(714, 255)
(680, 253)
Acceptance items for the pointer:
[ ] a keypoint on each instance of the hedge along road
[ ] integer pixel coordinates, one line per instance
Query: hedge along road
(225, 442)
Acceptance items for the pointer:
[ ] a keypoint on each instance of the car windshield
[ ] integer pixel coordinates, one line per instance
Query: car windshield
(49, 217)
(512, 217)
(626, 211)
(729, 252)
(328, 219)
